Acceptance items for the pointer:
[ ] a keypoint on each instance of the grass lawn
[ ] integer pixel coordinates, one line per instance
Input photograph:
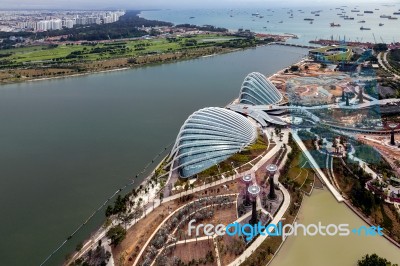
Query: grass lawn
(336, 57)
(133, 48)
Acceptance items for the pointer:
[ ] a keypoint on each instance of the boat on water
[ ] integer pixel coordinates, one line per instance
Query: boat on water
(392, 18)
(261, 16)
(280, 21)
(309, 19)
(385, 16)
(349, 18)
(355, 10)
(255, 14)
(369, 12)
(396, 13)
(363, 28)
(360, 15)
(311, 22)
(361, 21)
(381, 24)
(317, 15)
(191, 17)
(334, 25)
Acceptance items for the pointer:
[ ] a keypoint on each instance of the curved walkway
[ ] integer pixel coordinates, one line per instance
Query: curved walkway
(382, 60)
(278, 217)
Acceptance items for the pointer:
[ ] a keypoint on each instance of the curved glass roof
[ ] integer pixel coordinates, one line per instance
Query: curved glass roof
(258, 90)
(210, 136)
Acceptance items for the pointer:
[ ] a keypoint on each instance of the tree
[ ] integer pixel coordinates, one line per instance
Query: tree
(380, 47)
(109, 211)
(360, 96)
(186, 186)
(294, 68)
(137, 213)
(374, 260)
(116, 234)
(126, 218)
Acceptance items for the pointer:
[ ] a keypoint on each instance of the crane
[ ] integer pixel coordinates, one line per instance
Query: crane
(382, 39)
(374, 37)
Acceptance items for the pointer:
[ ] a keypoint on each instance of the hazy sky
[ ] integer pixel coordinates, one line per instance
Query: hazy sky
(147, 4)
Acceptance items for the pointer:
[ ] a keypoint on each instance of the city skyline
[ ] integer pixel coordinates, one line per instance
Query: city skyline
(103, 4)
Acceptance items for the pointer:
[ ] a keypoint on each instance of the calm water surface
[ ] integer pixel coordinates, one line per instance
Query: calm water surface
(331, 251)
(67, 144)
(276, 20)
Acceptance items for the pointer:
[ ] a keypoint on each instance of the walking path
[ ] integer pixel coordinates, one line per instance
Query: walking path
(278, 217)
(382, 60)
(316, 167)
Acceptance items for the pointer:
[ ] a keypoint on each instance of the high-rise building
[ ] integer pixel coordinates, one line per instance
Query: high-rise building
(56, 24)
(69, 23)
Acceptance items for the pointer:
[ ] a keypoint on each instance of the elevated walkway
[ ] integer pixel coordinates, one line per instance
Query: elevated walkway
(316, 168)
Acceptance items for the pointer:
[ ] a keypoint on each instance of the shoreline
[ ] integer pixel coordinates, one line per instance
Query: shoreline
(115, 69)
(90, 72)
(367, 221)
(123, 68)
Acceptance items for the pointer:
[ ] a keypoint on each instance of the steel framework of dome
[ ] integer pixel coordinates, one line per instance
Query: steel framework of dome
(258, 90)
(209, 136)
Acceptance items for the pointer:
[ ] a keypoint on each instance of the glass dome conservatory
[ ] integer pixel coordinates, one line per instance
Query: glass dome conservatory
(210, 136)
(258, 90)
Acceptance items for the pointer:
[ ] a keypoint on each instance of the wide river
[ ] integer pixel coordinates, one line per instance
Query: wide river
(68, 144)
